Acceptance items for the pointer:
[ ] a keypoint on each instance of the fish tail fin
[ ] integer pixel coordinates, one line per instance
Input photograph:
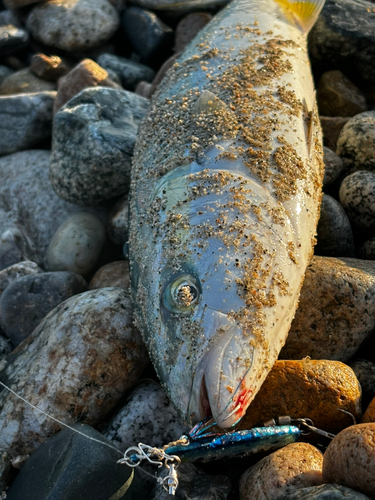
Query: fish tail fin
(305, 12)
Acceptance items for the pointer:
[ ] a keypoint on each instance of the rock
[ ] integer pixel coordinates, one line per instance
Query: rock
(10, 17)
(349, 459)
(343, 38)
(106, 121)
(30, 210)
(25, 120)
(19, 270)
(147, 417)
(326, 386)
(86, 74)
(356, 142)
(338, 96)
(143, 89)
(367, 249)
(77, 244)
(146, 32)
(16, 4)
(357, 196)
(336, 310)
(188, 28)
(365, 373)
(325, 492)
(73, 25)
(332, 126)
(333, 167)
(334, 232)
(5, 348)
(5, 470)
(12, 39)
(130, 72)
(76, 365)
(112, 274)
(75, 467)
(171, 6)
(118, 222)
(27, 300)
(4, 73)
(24, 82)
(369, 415)
(298, 465)
(48, 67)
(161, 73)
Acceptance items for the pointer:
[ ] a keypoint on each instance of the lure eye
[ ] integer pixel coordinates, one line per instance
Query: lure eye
(181, 295)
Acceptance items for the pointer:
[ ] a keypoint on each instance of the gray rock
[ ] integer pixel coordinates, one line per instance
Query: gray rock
(73, 25)
(77, 244)
(129, 72)
(367, 249)
(10, 17)
(336, 310)
(344, 37)
(4, 73)
(30, 210)
(112, 274)
(356, 142)
(188, 28)
(325, 492)
(16, 4)
(333, 167)
(24, 82)
(5, 348)
(357, 196)
(106, 121)
(25, 120)
(118, 222)
(184, 6)
(27, 300)
(334, 232)
(19, 270)
(143, 89)
(12, 39)
(331, 127)
(147, 417)
(5, 470)
(76, 365)
(365, 373)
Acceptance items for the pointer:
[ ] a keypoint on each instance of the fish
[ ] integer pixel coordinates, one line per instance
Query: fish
(224, 202)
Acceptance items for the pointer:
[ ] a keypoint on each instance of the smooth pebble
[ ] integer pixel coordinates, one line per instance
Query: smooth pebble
(12, 273)
(112, 274)
(333, 167)
(129, 72)
(357, 196)
(24, 82)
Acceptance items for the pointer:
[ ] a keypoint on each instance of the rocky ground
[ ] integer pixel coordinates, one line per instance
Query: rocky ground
(76, 78)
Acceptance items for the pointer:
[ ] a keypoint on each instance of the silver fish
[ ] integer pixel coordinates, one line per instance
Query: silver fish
(225, 196)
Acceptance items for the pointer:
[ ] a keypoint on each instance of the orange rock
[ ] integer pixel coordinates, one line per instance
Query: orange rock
(369, 415)
(316, 389)
(112, 274)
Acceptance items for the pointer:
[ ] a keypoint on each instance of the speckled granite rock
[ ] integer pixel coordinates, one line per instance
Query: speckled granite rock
(336, 310)
(369, 415)
(76, 245)
(106, 121)
(349, 459)
(27, 300)
(333, 167)
(188, 28)
(365, 373)
(73, 25)
(357, 196)
(76, 365)
(48, 67)
(356, 142)
(24, 82)
(334, 232)
(12, 273)
(129, 72)
(326, 492)
(331, 127)
(25, 120)
(326, 386)
(338, 96)
(118, 222)
(12, 39)
(112, 274)
(296, 466)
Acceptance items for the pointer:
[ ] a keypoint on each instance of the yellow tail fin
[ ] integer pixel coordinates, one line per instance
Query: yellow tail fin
(305, 12)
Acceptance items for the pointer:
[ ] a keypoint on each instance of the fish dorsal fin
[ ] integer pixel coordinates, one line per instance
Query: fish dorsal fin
(208, 103)
(305, 12)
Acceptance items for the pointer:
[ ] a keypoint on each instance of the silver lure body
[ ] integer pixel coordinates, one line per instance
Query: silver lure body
(225, 196)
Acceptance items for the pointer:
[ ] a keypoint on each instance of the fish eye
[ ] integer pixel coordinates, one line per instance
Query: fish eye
(181, 295)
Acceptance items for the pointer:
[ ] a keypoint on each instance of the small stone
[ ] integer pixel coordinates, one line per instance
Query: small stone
(4, 73)
(357, 196)
(296, 466)
(365, 373)
(356, 142)
(332, 126)
(336, 310)
(24, 82)
(14, 247)
(12, 39)
(161, 73)
(19, 270)
(74, 467)
(25, 120)
(188, 28)
(106, 121)
(76, 245)
(333, 167)
(367, 249)
(143, 89)
(338, 96)
(334, 232)
(130, 72)
(5, 470)
(349, 459)
(147, 417)
(73, 25)
(10, 17)
(369, 415)
(5, 349)
(76, 365)
(118, 222)
(326, 386)
(146, 32)
(325, 492)
(27, 300)
(112, 274)
(48, 67)
(86, 74)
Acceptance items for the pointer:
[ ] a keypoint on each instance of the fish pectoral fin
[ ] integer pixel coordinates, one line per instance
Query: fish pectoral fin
(305, 12)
